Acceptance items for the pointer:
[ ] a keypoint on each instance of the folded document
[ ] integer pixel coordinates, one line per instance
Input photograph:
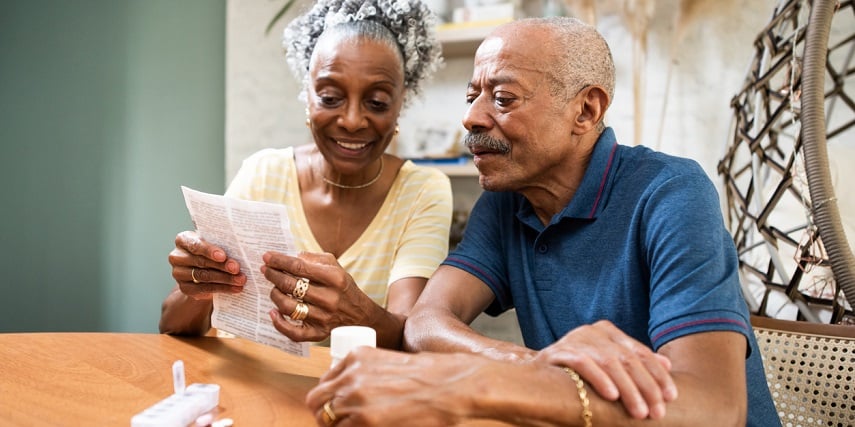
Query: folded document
(245, 230)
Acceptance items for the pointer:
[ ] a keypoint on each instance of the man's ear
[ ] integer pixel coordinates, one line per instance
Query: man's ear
(593, 102)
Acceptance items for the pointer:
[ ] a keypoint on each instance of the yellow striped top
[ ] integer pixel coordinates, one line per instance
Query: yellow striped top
(407, 238)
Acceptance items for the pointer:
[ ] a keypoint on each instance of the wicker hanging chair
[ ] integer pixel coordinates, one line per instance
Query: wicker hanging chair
(796, 261)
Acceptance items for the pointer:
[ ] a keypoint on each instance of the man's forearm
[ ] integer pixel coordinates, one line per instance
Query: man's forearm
(440, 331)
(534, 394)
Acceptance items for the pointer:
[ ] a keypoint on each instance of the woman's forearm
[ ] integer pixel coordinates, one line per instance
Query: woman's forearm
(182, 315)
(389, 321)
(389, 327)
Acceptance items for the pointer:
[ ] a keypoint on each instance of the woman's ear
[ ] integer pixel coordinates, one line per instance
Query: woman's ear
(593, 104)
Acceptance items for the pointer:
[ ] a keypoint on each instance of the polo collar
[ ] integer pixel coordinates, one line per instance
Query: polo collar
(586, 203)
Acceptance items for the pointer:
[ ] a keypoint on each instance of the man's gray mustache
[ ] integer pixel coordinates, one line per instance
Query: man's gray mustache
(482, 140)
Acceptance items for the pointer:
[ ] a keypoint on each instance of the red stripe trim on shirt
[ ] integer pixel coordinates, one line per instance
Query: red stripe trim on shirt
(603, 181)
(458, 260)
(698, 322)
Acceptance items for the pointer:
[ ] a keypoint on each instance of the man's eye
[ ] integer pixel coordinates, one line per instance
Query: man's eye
(503, 101)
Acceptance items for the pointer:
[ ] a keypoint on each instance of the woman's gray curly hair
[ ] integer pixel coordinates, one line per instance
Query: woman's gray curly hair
(410, 22)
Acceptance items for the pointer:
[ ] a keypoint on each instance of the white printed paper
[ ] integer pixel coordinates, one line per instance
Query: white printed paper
(245, 230)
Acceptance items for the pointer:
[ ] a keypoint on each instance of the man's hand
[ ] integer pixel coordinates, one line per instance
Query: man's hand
(617, 367)
(373, 387)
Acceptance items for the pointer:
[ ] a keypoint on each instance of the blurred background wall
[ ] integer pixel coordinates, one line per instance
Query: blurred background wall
(707, 68)
(106, 108)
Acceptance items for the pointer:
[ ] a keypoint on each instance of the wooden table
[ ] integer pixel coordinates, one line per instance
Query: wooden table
(103, 379)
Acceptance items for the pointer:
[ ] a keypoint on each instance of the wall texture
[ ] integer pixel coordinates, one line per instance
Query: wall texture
(708, 69)
(106, 108)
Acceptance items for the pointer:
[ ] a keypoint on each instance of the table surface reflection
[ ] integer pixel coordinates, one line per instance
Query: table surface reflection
(104, 379)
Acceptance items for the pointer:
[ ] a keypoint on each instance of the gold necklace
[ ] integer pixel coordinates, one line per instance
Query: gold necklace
(355, 187)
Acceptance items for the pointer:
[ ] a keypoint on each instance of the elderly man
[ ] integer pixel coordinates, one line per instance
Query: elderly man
(615, 258)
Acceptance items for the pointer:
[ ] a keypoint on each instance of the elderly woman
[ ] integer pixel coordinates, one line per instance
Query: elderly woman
(371, 227)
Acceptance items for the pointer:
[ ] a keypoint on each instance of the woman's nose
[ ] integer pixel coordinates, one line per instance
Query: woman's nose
(352, 118)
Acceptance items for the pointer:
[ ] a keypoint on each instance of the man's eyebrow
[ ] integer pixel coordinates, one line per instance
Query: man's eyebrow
(498, 80)
(495, 81)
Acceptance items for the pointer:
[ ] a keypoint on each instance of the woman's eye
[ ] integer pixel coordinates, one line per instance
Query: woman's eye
(378, 106)
(329, 101)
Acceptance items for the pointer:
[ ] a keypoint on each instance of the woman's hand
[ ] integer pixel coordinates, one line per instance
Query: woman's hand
(332, 298)
(616, 366)
(202, 269)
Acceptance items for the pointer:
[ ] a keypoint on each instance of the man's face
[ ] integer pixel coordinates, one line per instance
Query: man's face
(519, 131)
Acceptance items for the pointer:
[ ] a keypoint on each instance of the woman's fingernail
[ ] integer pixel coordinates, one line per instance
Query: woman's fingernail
(233, 267)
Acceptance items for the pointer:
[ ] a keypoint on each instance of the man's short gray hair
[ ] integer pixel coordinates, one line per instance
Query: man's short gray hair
(584, 57)
(409, 25)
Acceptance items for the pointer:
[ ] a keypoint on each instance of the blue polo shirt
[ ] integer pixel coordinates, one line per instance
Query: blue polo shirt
(642, 244)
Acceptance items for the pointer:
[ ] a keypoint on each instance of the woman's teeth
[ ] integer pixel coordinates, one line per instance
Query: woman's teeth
(351, 146)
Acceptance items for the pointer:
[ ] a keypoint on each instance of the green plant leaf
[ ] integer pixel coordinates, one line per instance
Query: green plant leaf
(279, 15)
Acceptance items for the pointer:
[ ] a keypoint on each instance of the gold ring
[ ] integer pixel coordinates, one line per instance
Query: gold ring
(300, 288)
(193, 275)
(301, 311)
(328, 415)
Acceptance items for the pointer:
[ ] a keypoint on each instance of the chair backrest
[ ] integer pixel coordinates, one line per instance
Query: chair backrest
(810, 369)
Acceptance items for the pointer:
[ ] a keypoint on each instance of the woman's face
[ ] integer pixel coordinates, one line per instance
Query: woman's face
(355, 95)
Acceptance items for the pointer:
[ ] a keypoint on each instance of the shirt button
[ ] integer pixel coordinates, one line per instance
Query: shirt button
(542, 249)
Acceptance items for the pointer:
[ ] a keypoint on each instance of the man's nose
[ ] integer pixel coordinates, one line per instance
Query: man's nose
(477, 117)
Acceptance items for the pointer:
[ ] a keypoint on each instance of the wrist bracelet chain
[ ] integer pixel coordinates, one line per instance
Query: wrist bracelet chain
(587, 415)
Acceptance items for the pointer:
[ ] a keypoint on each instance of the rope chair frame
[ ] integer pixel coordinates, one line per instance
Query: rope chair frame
(777, 158)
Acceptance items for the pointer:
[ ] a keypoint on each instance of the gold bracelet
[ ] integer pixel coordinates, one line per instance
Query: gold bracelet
(587, 415)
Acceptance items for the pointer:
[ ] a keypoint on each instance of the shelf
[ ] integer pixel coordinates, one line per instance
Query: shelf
(463, 39)
(453, 169)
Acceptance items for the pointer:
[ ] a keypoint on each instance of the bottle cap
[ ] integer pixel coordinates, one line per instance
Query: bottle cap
(346, 338)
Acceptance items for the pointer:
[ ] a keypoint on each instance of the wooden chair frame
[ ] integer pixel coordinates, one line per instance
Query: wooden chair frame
(810, 369)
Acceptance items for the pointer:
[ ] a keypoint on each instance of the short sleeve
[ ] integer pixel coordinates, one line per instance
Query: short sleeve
(249, 181)
(481, 251)
(693, 263)
(424, 241)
